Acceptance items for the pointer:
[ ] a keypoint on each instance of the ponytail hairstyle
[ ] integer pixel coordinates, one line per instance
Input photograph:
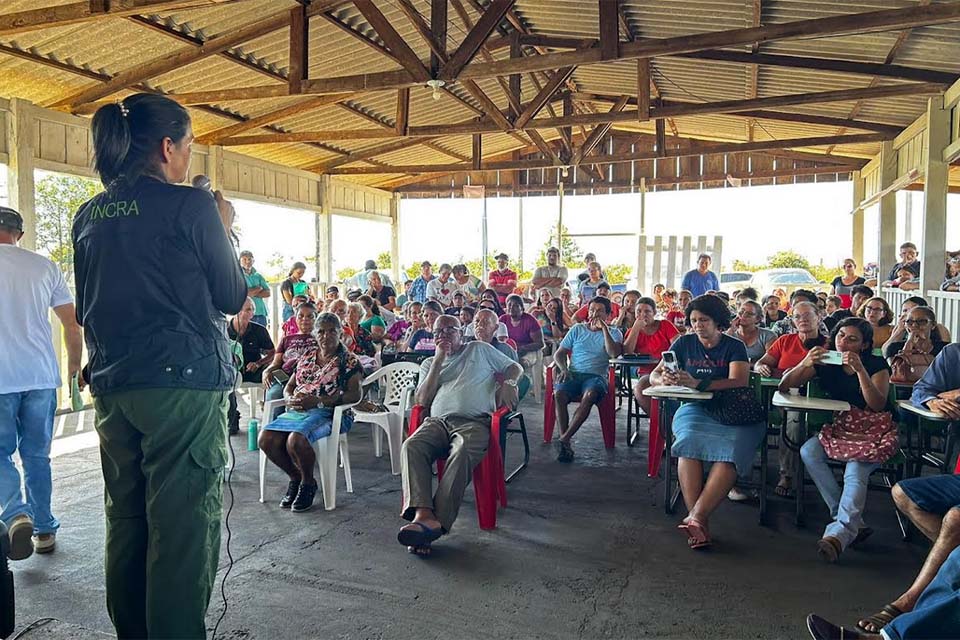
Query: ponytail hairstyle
(369, 301)
(127, 135)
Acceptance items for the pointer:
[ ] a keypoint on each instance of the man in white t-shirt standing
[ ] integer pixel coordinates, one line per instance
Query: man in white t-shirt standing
(29, 377)
(553, 276)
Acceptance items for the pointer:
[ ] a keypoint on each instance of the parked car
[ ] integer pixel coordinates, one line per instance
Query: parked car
(787, 279)
(731, 281)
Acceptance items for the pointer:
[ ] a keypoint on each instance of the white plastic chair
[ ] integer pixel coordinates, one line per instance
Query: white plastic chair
(401, 379)
(538, 373)
(326, 455)
(254, 392)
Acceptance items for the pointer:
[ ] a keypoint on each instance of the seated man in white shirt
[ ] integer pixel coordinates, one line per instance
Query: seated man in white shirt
(461, 386)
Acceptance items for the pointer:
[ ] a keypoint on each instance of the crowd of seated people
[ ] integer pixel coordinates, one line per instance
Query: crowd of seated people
(716, 339)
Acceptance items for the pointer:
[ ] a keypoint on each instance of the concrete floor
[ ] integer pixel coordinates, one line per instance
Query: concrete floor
(583, 551)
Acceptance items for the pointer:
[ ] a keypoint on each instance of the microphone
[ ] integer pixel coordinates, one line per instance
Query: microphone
(201, 181)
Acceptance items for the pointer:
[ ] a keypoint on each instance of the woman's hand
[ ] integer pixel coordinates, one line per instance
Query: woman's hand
(226, 211)
(814, 356)
(763, 369)
(267, 378)
(852, 360)
(303, 402)
(684, 379)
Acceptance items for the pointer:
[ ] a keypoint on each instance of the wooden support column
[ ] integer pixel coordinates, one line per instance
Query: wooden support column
(324, 234)
(935, 173)
(661, 135)
(609, 29)
(403, 111)
(477, 151)
(858, 191)
(214, 168)
(520, 230)
(20, 180)
(395, 241)
(299, 55)
(516, 51)
(643, 89)
(887, 227)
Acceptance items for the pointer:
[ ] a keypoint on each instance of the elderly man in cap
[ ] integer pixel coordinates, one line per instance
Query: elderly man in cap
(418, 290)
(553, 276)
(362, 280)
(30, 285)
(461, 386)
(503, 279)
(442, 287)
(257, 288)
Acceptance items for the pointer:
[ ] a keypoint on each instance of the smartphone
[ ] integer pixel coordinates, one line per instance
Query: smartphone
(670, 361)
(281, 376)
(832, 357)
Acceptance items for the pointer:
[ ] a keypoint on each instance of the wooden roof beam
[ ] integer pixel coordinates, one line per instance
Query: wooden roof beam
(598, 134)
(366, 154)
(188, 55)
(686, 151)
(78, 12)
(475, 38)
(303, 106)
(397, 45)
(543, 96)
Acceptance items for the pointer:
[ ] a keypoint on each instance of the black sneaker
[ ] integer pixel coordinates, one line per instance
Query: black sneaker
(304, 500)
(292, 490)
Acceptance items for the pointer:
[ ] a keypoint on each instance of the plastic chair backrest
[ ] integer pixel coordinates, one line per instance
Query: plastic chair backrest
(755, 385)
(399, 376)
(817, 419)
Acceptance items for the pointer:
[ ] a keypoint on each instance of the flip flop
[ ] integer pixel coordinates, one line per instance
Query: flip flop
(880, 619)
(699, 537)
(422, 538)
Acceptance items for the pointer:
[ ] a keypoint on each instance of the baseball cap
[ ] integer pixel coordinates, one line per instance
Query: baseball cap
(553, 250)
(246, 253)
(502, 255)
(10, 218)
(353, 294)
(426, 263)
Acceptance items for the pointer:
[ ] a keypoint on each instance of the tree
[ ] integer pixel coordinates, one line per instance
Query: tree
(383, 261)
(58, 198)
(787, 260)
(346, 273)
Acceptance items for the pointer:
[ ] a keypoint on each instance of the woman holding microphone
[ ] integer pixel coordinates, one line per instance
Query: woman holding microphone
(155, 274)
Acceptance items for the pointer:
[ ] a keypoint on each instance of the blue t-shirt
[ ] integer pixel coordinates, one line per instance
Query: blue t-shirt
(703, 363)
(698, 283)
(587, 347)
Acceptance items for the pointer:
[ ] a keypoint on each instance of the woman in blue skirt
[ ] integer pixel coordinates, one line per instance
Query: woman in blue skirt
(710, 360)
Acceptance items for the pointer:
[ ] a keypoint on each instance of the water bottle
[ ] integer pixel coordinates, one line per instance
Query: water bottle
(252, 428)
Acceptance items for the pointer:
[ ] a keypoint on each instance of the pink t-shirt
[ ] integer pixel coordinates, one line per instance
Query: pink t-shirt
(521, 332)
(292, 347)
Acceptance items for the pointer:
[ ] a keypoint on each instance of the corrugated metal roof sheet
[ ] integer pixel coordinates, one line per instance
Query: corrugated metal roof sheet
(112, 45)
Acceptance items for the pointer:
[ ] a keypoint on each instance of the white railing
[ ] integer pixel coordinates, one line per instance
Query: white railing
(946, 304)
(665, 259)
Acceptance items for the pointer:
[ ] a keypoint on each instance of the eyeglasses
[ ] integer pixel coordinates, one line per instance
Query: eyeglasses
(920, 323)
(875, 309)
(447, 330)
(804, 316)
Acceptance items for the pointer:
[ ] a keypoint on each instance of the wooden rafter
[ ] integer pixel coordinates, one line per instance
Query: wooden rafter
(299, 55)
(753, 70)
(609, 11)
(403, 112)
(182, 35)
(599, 133)
(475, 38)
(367, 154)
(676, 152)
(664, 110)
(303, 106)
(645, 65)
(395, 43)
(188, 55)
(531, 109)
(86, 11)
(888, 59)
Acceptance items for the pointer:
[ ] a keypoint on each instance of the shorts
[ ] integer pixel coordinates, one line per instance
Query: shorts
(933, 494)
(577, 384)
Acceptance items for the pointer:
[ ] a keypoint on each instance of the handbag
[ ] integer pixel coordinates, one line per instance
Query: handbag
(861, 436)
(738, 406)
(909, 366)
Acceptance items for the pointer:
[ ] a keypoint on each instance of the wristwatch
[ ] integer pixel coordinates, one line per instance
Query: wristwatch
(510, 382)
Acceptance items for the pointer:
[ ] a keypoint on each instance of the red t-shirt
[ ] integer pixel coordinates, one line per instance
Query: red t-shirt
(581, 314)
(655, 343)
(499, 278)
(521, 332)
(788, 351)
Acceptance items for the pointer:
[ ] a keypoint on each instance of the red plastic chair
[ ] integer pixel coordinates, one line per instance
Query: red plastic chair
(606, 407)
(489, 485)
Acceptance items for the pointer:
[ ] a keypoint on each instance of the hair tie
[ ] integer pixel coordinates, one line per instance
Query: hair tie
(123, 109)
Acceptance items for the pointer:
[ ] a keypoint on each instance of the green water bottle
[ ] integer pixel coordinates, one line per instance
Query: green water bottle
(252, 428)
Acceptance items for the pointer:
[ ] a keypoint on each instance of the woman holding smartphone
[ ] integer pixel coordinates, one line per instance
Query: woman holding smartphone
(862, 437)
(709, 360)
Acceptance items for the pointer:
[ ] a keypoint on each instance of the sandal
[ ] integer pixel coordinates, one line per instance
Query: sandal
(416, 539)
(829, 549)
(784, 487)
(697, 535)
(879, 620)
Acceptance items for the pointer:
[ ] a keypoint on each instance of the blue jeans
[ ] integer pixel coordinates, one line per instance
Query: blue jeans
(937, 610)
(275, 392)
(846, 506)
(26, 423)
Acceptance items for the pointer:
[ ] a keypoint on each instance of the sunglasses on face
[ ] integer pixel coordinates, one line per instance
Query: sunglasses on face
(920, 323)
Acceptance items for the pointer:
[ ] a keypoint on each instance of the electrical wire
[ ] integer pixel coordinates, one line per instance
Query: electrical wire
(226, 520)
(33, 625)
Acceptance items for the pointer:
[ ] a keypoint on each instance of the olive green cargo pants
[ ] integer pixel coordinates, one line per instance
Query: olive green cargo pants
(162, 453)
